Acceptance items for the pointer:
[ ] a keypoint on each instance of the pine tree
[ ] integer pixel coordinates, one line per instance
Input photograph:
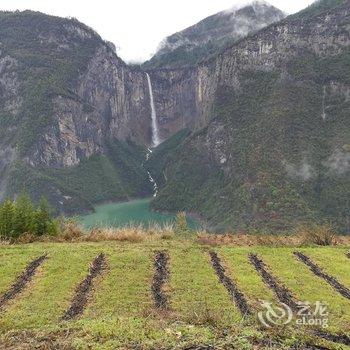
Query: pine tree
(7, 214)
(24, 215)
(20, 217)
(43, 223)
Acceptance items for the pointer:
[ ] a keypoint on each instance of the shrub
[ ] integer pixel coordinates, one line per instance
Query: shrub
(181, 223)
(322, 235)
(71, 230)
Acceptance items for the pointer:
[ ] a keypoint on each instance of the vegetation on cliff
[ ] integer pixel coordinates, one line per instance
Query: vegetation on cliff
(162, 155)
(318, 7)
(116, 176)
(50, 54)
(276, 151)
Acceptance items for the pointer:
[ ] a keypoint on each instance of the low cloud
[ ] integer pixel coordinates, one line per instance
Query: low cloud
(302, 171)
(339, 162)
(240, 4)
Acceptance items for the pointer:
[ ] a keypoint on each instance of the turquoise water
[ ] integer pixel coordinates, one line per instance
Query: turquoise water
(126, 213)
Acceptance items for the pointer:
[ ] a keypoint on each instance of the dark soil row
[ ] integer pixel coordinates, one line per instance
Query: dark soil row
(231, 287)
(312, 347)
(83, 290)
(200, 347)
(335, 338)
(282, 292)
(160, 278)
(344, 291)
(22, 281)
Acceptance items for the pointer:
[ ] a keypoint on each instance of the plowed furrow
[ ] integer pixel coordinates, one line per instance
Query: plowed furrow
(340, 288)
(335, 338)
(237, 296)
(282, 292)
(161, 275)
(83, 290)
(22, 281)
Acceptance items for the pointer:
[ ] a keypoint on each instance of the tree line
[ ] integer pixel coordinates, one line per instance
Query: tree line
(21, 216)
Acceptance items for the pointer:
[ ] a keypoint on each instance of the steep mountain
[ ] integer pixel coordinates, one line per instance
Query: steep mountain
(256, 137)
(209, 36)
(72, 115)
(272, 143)
(174, 79)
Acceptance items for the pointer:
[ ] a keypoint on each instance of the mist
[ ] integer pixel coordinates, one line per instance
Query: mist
(302, 171)
(339, 162)
(137, 27)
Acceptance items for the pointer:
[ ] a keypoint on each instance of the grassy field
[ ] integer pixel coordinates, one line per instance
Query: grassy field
(120, 310)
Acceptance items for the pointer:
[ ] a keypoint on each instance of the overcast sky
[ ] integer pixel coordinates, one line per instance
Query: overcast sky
(136, 27)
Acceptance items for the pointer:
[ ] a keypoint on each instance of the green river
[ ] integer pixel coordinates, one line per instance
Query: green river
(127, 213)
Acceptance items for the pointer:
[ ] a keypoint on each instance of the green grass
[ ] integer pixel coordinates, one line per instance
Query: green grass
(196, 295)
(308, 287)
(125, 293)
(54, 286)
(13, 261)
(339, 266)
(120, 311)
(243, 273)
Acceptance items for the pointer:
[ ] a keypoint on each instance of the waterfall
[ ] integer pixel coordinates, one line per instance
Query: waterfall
(150, 177)
(155, 130)
(324, 115)
(155, 135)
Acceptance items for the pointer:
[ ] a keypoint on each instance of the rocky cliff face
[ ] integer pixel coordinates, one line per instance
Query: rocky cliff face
(66, 98)
(276, 107)
(110, 101)
(73, 113)
(175, 99)
(183, 93)
(267, 117)
(185, 96)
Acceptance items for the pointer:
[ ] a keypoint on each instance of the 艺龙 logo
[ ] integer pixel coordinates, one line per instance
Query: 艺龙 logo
(275, 315)
(307, 314)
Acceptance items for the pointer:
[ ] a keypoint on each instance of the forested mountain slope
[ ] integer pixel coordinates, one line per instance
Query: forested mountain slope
(275, 150)
(72, 114)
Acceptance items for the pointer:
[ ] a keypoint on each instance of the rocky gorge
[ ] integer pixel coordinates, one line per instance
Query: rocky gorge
(266, 144)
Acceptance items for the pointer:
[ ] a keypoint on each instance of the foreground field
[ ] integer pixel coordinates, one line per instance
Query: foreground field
(168, 294)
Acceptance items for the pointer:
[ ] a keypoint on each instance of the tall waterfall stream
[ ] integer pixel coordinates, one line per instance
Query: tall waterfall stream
(155, 134)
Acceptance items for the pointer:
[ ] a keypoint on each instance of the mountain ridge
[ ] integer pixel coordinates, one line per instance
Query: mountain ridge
(229, 121)
(260, 191)
(65, 98)
(207, 37)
